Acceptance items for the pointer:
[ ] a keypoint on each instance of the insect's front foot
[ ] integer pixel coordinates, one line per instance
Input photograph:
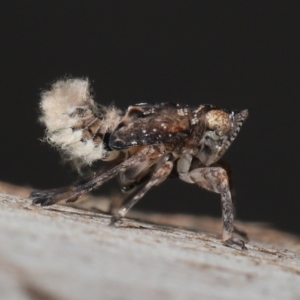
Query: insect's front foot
(114, 219)
(235, 243)
(243, 234)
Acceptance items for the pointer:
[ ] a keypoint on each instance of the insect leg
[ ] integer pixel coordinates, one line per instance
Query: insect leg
(228, 168)
(71, 194)
(215, 179)
(158, 176)
(52, 196)
(126, 192)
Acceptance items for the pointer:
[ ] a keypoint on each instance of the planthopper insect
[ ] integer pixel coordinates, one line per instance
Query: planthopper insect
(142, 146)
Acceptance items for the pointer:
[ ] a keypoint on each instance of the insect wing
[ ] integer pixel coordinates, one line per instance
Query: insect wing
(149, 125)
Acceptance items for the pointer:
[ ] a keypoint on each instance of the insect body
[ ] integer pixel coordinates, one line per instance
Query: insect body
(142, 146)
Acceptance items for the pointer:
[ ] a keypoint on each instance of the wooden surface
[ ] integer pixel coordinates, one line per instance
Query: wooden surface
(62, 252)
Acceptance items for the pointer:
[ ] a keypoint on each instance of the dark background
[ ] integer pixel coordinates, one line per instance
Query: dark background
(235, 54)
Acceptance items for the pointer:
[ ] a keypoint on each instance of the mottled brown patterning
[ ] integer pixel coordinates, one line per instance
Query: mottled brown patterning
(142, 146)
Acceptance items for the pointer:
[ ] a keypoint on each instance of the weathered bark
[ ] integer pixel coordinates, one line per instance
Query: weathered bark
(61, 252)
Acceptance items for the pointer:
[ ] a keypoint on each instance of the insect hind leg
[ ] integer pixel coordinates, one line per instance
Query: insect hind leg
(71, 194)
(52, 196)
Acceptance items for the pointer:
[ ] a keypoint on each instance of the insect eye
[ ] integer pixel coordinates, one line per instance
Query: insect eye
(219, 121)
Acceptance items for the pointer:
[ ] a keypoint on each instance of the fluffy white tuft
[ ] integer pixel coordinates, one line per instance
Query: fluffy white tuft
(73, 121)
(58, 103)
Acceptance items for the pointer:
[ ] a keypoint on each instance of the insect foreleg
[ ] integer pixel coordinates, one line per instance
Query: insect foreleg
(215, 179)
